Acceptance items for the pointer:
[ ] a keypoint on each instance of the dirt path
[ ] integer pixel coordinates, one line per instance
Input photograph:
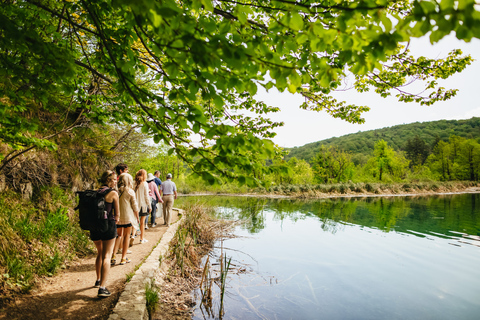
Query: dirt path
(71, 293)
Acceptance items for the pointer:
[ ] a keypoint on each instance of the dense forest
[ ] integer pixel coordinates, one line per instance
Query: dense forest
(397, 137)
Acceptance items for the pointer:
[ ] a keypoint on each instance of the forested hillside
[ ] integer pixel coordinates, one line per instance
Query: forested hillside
(397, 137)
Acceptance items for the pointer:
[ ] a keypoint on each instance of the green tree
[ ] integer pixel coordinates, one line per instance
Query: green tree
(332, 165)
(386, 161)
(417, 151)
(439, 161)
(470, 160)
(302, 173)
(294, 172)
(190, 69)
(157, 158)
(457, 159)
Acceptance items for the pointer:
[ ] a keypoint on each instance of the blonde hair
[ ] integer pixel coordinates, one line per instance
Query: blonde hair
(108, 177)
(125, 182)
(140, 177)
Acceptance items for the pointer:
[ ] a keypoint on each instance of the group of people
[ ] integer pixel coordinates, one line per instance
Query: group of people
(128, 205)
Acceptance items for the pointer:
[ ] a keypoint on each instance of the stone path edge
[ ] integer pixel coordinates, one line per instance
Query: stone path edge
(132, 302)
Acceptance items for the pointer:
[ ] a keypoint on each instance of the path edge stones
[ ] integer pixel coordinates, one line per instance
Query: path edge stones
(132, 302)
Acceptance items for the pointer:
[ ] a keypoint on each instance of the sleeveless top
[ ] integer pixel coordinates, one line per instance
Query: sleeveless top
(108, 207)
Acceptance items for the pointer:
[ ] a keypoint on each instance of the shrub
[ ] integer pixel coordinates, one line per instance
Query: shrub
(369, 187)
(36, 241)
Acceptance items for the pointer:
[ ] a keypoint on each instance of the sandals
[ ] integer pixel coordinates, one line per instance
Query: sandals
(124, 261)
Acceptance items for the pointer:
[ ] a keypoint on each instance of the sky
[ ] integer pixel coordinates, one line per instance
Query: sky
(302, 127)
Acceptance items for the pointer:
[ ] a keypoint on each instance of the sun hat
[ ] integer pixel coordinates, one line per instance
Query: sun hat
(150, 177)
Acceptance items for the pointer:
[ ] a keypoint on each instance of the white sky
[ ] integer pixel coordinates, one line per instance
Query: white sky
(302, 127)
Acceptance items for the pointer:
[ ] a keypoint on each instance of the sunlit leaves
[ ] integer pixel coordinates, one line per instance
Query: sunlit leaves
(395, 77)
(187, 72)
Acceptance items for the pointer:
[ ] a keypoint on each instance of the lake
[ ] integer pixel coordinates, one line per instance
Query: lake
(350, 258)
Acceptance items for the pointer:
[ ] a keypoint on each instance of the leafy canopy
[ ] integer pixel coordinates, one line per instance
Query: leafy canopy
(187, 71)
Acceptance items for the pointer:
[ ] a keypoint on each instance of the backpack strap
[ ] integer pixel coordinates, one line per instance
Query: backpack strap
(105, 190)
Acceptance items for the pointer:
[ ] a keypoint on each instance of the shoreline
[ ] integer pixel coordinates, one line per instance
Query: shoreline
(309, 196)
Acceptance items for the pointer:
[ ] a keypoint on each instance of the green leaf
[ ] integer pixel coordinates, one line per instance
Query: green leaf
(447, 4)
(208, 5)
(296, 21)
(196, 127)
(218, 101)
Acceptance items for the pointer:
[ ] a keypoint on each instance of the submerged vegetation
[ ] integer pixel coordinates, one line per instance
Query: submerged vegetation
(193, 241)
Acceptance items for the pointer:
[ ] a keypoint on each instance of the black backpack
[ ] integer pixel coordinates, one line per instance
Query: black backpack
(91, 209)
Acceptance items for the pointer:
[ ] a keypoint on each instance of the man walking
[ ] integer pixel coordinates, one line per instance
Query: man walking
(169, 193)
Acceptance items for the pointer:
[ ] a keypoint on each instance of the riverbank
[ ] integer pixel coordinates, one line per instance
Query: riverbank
(360, 190)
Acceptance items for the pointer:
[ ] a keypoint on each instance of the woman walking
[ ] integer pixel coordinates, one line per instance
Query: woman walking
(104, 241)
(128, 215)
(144, 203)
(155, 196)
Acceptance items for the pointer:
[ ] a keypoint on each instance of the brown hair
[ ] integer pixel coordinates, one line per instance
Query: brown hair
(120, 167)
(140, 177)
(107, 177)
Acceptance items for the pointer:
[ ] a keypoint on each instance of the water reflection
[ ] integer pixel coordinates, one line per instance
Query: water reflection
(353, 258)
(446, 215)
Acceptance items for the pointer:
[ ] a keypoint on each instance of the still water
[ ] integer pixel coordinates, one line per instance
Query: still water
(370, 258)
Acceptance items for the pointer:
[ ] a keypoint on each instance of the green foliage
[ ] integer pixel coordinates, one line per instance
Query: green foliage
(332, 165)
(292, 172)
(458, 159)
(36, 242)
(417, 151)
(188, 71)
(361, 144)
(157, 158)
(386, 161)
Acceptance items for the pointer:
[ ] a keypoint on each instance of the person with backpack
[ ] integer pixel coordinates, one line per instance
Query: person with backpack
(105, 241)
(155, 196)
(144, 203)
(128, 216)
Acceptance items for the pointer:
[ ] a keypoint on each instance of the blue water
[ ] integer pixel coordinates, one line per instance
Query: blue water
(377, 258)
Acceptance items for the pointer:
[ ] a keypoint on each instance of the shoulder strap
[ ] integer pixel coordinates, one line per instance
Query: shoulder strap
(105, 190)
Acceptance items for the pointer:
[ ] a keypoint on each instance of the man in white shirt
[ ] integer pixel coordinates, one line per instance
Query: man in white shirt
(169, 194)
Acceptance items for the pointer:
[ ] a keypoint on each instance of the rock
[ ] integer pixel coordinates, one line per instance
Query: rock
(3, 185)
(27, 190)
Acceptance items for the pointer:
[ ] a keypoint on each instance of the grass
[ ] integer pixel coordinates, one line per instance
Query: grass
(130, 275)
(193, 231)
(371, 187)
(37, 240)
(152, 296)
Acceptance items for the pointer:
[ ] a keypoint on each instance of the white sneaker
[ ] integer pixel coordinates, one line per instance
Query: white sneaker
(154, 225)
(143, 241)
